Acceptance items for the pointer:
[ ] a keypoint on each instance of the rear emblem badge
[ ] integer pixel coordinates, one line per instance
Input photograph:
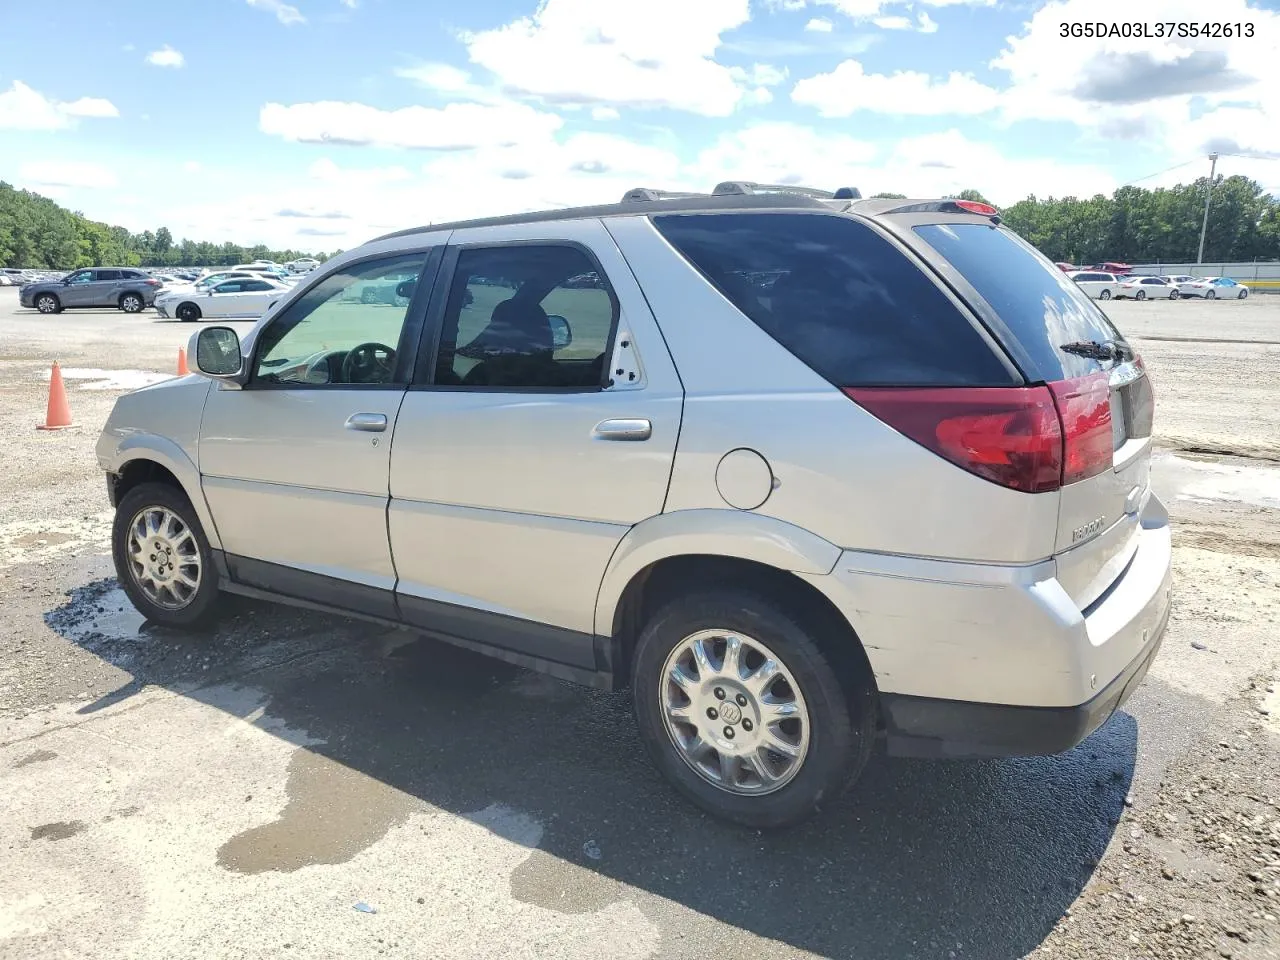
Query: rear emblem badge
(1087, 530)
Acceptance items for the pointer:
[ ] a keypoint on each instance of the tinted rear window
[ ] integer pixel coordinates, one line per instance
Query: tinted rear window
(839, 297)
(1041, 306)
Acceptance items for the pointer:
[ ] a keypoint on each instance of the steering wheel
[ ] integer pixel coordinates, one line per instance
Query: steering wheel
(368, 363)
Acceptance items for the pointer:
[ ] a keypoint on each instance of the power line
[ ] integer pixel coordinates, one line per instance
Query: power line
(1245, 156)
(1185, 163)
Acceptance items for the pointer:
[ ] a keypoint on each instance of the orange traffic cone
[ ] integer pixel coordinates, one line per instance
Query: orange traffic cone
(182, 362)
(59, 413)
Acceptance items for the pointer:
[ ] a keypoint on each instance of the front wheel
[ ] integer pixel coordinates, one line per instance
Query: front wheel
(162, 556)
(188, 312)
(1244, 292)
(131, 303)
(744, 713)
(48, 303)
(1105, 295)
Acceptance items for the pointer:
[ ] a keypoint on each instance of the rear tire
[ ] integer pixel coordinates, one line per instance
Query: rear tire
(1173, 294)
(826, 735)
(1211, 295)
(187, 312)
(162, 597)
(48, 303)
(131, 303)
(1105, 295)
(1140, 295)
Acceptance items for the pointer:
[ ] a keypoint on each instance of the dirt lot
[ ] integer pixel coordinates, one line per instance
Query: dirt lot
(293, 784)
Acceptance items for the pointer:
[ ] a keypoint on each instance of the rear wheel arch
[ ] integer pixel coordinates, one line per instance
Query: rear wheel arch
(681, 575)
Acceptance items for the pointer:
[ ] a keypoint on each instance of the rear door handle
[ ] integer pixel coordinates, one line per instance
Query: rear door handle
(623, 430)
(367, 422)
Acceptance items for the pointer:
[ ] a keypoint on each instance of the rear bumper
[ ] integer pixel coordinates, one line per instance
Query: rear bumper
(987, 660)
(926, 727)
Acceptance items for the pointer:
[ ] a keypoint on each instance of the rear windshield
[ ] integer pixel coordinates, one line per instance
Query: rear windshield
(1041, 306)
(838, 296)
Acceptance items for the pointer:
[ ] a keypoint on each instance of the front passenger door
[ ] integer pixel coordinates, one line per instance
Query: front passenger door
(294, 465)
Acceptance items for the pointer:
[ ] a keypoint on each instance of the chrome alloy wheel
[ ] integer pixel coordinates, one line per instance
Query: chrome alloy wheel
(734, 712)
(163, 557)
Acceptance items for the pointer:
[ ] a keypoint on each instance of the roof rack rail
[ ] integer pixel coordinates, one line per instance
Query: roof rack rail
(748, 188)
(644, 194)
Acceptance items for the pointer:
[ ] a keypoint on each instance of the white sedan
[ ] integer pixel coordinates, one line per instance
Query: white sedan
(1214, 288)
(240, 297)
(1146, 288)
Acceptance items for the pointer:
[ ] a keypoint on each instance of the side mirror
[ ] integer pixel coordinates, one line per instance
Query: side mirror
(66, 281)
(217, 353)
(561, 332)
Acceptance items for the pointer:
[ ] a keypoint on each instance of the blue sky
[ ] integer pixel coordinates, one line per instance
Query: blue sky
(318, 123)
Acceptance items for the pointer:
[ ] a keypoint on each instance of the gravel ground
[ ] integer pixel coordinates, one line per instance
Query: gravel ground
(241, 791)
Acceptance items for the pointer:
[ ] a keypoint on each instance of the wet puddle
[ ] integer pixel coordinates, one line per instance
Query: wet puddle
(1192, 479)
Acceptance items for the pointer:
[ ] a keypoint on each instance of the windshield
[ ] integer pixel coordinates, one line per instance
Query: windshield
(1041, 307)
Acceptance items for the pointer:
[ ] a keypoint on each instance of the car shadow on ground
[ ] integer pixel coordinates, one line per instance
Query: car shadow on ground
(920, 859)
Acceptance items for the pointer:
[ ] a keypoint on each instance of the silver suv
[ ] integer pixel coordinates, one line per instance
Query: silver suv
(129, 289)
(803, 471)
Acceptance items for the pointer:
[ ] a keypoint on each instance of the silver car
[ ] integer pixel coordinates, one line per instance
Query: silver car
(806, 473)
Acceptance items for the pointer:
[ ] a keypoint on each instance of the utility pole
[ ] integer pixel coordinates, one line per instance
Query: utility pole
(1208, 195)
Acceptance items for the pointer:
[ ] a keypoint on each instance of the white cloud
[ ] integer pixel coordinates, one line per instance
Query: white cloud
(1138, 87)
(66, 173)
(589, 52)
(166, 56)
(438, 76)
(819, 25)
(869, 9)
(350, 4)
(927, 23)
(456, 126)
(605, 113)
(192, 166)
(848, 89)
(22, 108)
(760, 74)
(782, 153)
(285, 13)
(892, 23)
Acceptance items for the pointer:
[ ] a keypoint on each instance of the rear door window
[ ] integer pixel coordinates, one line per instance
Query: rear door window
(108, 274)
(1041, 308)
(838, 296)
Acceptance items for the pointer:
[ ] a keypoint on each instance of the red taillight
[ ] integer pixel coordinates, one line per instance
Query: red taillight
(973, 206)
(1010, 436)
(1084, 405)
(153, 283)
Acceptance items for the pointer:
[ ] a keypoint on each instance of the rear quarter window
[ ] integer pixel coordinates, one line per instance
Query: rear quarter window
(1041, 308)
(839, 296)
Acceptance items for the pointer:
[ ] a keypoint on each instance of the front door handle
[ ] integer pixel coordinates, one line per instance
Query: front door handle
(367, 422)
(623, 430)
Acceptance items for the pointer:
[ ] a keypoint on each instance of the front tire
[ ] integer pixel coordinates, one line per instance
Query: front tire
(1105, 295)
(131, 303)
(187, 312)
(162, 557)
(744, 713)
(1244, 292)
(48, 303)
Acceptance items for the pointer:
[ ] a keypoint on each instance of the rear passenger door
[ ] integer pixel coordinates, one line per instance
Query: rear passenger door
(103, 289)
(540, 428)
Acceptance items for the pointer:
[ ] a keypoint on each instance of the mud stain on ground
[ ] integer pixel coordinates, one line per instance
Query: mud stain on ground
(57, 831)
(40, 756)
(333, 813)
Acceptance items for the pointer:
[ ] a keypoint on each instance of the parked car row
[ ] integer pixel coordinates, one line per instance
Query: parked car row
(1105, 286)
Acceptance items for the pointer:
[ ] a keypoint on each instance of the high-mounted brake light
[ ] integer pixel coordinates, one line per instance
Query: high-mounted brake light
(973, 206)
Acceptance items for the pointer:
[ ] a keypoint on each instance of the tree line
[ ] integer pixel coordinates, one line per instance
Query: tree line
(37, 233)
(1136, 225)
